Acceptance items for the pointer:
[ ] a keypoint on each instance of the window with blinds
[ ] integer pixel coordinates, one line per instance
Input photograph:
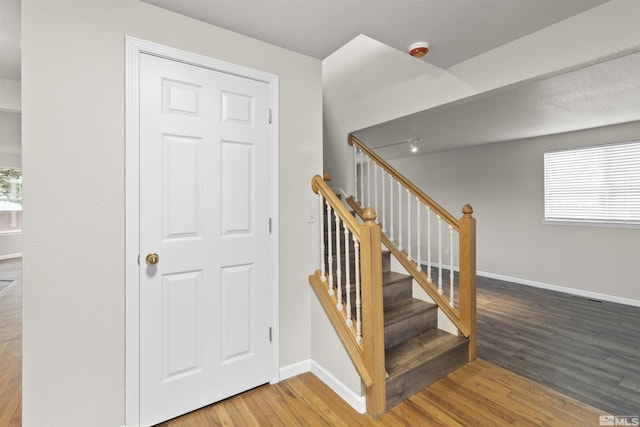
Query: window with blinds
(599, 185)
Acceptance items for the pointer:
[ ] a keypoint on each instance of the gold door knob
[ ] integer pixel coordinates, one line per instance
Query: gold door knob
(152, 258)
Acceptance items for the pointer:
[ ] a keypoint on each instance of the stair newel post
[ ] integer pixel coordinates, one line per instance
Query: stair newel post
(468, 276)
(372, 313)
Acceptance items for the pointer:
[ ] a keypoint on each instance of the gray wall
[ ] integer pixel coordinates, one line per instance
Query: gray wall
(504, 184)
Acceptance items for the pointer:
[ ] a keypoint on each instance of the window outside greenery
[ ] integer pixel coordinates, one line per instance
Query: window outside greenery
(10, 199)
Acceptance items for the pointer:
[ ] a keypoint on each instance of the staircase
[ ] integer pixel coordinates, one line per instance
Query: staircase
(417, 353)
(392, 337)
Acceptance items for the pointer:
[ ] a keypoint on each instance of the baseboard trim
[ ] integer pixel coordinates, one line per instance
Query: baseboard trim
(357, 402)
(298, 368)
(563, 289)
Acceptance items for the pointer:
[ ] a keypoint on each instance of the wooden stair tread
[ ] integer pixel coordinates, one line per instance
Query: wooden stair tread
(389, 277)
(420, 350)
(404, 309)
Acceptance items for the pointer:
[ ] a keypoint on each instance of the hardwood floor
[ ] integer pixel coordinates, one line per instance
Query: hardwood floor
(586, 349)
(479, 394)
(580, 348)
(11, 345)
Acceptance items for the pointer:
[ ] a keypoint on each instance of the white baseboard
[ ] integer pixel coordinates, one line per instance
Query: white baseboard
(10, 256)
(295, 369)
(563, 289)
(542, 285)
(354, 400)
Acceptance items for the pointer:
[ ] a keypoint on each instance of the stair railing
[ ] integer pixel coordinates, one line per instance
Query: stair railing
(353, 303)
(412, 229)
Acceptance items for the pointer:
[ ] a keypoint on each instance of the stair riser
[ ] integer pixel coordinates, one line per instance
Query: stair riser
(413, 326)
(386, 261)
(397, 291)
(404, 386)
(391, 293)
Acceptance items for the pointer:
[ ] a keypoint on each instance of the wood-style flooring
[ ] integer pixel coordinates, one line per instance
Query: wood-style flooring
(11, 344)
(478, 394)
(583, 348)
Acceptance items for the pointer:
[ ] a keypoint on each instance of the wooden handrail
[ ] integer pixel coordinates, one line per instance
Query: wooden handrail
(465, 318)
(420, 277)
(319, 186)
(443, 213)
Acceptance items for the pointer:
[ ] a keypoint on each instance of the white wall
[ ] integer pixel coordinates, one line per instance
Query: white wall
(504, 184)
(366, 83)
(73, 146)
(10, 95)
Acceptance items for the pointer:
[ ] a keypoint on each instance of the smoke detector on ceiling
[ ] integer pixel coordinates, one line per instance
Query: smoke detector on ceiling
(419, 49)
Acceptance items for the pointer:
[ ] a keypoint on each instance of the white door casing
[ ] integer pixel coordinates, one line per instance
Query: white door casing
(206, 190)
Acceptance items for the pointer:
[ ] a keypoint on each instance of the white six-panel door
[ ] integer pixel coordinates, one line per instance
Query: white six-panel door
(204, 210)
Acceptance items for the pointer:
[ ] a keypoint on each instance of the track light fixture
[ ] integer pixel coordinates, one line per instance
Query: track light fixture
(413, 145)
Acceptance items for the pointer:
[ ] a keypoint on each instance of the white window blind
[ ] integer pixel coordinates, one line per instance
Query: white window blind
(598, 184)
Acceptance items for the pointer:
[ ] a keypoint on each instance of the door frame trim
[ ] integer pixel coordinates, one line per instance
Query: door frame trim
(135, 47)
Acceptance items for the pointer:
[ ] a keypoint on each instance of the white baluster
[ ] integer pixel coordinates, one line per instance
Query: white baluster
(347, 275)
(384, 210)
(368, 181)
(355, 172)
(399, 216)
(451, 265)
(429, 244)
(362, 179)
(323, 267)
(439, 254)
(375, 190)
(329, 252)
(408, 224)
(391, 207)
(419, 262)
(338, 263)
(356, 250)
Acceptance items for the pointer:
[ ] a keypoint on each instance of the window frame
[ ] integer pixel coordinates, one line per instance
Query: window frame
(608, 170)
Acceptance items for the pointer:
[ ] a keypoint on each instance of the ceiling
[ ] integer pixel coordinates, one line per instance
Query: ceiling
(598, 94)
(455, 29)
